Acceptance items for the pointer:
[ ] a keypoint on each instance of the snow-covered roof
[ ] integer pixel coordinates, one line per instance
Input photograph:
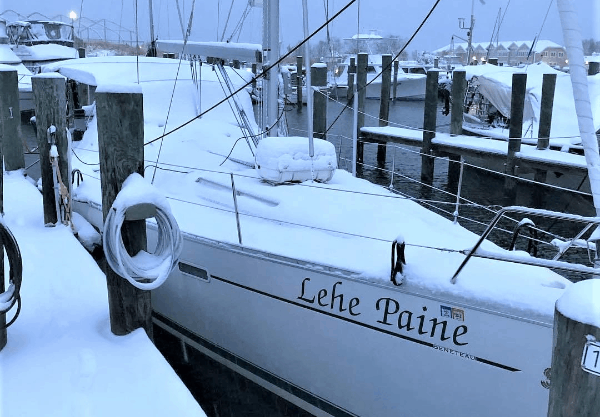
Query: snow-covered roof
(540, 45)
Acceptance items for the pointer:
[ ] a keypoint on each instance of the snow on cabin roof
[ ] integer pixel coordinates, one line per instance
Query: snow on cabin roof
(540, 45)
(371, 35)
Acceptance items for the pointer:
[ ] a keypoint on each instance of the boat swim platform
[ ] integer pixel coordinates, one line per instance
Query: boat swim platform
(61, 358)
(477, 148)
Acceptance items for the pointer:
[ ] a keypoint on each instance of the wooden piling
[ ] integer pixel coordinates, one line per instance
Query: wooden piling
(574, 391)
(384, 104)
(351, 78)
(548, 86)
(299, 83)
(593, 68)
(10, 121)
(121, 146)
(49, 94)
(318, 77)
(395, 80)
(429, 126)
(517, 103)
(459, 86)
(386, 78)
(361, 83)
(236, 64)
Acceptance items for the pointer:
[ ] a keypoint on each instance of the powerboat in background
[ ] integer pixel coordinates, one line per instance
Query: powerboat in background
(410, 79)
(9, 58)
(41, 42)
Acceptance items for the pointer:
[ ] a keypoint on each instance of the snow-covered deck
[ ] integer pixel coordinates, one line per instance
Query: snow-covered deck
(61, 358)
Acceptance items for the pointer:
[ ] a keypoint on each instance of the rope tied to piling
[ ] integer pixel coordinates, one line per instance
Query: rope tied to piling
(145, 271)
(12, 295)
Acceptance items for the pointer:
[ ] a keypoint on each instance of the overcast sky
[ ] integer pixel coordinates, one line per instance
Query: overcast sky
(523, 19)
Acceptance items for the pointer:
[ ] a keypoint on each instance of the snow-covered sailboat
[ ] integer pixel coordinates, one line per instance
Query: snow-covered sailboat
(292, 285)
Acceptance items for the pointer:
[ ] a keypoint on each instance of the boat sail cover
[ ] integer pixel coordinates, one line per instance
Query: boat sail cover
(495, 83)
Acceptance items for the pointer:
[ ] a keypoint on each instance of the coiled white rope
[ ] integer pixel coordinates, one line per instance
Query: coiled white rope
(144, 270)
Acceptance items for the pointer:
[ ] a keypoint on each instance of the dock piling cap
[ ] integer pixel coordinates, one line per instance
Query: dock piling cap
(581, 302)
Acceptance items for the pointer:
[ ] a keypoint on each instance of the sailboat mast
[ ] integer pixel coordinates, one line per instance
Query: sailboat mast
(470, 34)
(152, 50)
(270, 56)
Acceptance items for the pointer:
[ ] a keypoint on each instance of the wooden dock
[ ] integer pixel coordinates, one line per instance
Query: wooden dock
(472, 147)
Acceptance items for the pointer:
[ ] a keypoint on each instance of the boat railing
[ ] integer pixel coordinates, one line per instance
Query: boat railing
(553, 263)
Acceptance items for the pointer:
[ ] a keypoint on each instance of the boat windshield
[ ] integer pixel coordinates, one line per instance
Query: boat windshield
(414, 70)
(40, 32)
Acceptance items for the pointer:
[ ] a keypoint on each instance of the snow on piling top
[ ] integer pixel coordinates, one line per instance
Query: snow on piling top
(581, 302)
(49, 75)
(136, 190)
(120, 88)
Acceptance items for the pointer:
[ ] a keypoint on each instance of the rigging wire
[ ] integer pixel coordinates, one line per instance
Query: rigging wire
(227, 20)
(262, 74)
(541, 28)
(185, 40)
(501, 21)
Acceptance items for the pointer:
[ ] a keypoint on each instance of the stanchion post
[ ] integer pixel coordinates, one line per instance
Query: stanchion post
(121, 145)
(50, 97)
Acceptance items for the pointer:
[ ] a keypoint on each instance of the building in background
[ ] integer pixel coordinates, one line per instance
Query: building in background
(509, 52)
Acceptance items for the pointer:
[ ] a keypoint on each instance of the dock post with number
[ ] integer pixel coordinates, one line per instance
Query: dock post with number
(575, 370)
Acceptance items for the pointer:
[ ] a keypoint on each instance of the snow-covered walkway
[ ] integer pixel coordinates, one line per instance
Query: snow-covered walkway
(61, 358)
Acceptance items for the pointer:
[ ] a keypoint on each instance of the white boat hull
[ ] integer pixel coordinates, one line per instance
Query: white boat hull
(406, 88)
(320, 337)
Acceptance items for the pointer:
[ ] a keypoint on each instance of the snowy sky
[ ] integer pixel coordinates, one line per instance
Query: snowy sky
(523, 19)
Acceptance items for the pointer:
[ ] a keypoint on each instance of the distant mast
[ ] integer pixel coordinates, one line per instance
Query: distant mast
(270, 56)
(461, 24)
(152, 49)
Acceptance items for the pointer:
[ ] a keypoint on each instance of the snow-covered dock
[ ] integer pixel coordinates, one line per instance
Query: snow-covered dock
(61, 358)
(473, 146)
